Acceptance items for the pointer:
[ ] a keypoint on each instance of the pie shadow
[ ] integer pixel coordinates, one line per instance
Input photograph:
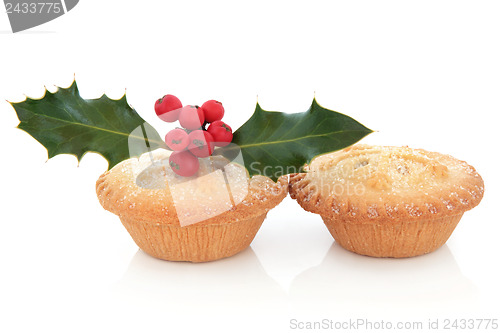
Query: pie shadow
(238, 282)
(353, 283)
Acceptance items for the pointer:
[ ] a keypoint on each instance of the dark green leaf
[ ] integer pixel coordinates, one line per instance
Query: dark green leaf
(276, 143)
(65, 123)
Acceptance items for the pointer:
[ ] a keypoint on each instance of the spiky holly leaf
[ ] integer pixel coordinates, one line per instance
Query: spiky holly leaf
(66, 123)
(276, 143)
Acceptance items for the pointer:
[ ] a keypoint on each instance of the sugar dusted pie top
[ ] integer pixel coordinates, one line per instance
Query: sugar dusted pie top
(147, 189)
(375, 182)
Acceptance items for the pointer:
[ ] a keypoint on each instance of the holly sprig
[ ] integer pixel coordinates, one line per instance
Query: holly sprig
(271, 143)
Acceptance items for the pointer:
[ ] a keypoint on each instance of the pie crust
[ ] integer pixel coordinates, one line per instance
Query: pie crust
(138, 190)
(388, 201)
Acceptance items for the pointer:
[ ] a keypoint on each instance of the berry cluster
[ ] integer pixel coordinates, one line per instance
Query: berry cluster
(193, 140)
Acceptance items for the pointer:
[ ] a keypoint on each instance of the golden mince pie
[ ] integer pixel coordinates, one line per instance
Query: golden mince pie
(388, 201)
(211, 215)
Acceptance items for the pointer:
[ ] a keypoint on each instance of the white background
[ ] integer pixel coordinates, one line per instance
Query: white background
(422, 73)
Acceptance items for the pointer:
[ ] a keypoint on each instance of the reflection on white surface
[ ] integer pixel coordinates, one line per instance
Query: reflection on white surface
(353, 283)
(238, 283)
(343, 283)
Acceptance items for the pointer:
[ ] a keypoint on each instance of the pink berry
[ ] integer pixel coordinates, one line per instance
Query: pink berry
(221, 133)
(184, 163)
(177, 139)
(213, 110)
(168, 108)
(201, 143)
(191, 117)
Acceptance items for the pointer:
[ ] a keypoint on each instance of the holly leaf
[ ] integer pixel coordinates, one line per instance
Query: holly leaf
(275, 143)
(66, 123)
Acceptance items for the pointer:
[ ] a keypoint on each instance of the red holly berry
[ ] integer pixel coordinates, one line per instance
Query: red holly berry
(184, 163)
(213, 110)
(221, 132)
(202, 143)
(191, 117)
(177, 139)
(168, 108)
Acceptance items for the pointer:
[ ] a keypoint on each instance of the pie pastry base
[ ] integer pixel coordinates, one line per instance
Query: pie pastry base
(396, 240)
(196, 243)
